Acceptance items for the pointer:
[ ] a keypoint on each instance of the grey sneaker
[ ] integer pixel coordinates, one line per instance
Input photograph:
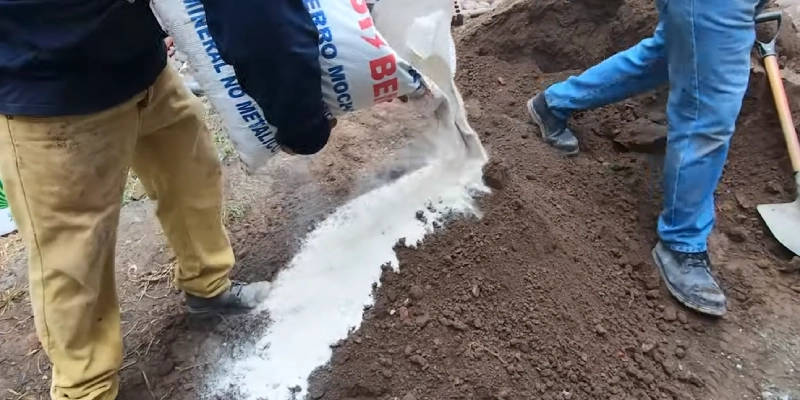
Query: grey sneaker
(239, 298)
(688, 277)
(554, 130)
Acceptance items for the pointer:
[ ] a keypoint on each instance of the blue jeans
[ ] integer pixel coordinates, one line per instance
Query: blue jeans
(702, 48)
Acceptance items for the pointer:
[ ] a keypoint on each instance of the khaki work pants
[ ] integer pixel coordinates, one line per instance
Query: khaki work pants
(65, 178)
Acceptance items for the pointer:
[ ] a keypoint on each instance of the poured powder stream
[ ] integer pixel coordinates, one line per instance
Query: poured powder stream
(321, 296)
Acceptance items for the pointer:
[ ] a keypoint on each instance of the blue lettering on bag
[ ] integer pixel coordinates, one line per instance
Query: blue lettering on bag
(341, 87)
(248, 112)
(328, 51)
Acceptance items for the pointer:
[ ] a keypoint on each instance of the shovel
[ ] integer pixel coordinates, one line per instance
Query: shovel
(783, 220)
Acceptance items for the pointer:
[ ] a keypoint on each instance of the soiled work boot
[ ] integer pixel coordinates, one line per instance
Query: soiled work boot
(554, 130)
(239, 298)
(688, 278)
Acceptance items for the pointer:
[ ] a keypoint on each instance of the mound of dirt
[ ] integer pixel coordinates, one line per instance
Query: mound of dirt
(552, 294)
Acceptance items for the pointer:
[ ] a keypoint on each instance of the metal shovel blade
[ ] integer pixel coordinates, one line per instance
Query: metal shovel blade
(783, 220)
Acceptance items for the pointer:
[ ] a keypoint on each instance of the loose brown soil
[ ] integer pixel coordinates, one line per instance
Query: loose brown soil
(550, 295)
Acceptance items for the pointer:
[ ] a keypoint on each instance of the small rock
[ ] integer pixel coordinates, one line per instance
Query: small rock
(476, 291)
(648, 346)
(417, 359)
(409, 396)
(600, 330)
(501, 80)
(421, 216)
(653, 294)
(680, 353)
(683, 318)
(648, 379)
(415, 292)
(670, 314)
(743, 201)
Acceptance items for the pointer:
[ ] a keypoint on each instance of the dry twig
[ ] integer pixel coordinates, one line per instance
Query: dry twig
(475, 345)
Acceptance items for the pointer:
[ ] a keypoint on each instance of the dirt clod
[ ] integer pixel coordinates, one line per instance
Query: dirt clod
(738, 234)
(496, 175)
(416, 292)
(644, 136)
(670, 314)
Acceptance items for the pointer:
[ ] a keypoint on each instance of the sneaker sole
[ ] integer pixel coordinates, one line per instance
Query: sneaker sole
(716, 312)
(538, 121)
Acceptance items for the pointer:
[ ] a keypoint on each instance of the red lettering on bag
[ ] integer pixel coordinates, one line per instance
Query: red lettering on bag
(383, 67)
(375, 41)
(360, 6)
(366, 23)
(387, 87)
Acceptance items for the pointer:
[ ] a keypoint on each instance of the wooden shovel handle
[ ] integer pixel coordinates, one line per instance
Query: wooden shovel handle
(784, 112)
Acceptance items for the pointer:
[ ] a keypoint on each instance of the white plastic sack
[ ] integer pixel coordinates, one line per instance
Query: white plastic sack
(358, 68)
(419, 30)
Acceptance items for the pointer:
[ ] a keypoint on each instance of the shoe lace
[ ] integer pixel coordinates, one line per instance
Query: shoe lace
(695, 260)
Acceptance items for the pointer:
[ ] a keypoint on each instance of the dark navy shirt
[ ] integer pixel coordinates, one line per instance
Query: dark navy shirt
(273, 45)
(75, 57)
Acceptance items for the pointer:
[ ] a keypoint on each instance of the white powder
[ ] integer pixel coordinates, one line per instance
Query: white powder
(321, 296)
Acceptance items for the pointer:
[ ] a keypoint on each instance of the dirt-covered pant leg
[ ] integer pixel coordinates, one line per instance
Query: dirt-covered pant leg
(64, 177)
(177, 163)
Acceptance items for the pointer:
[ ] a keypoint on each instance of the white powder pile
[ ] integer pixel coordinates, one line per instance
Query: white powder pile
(321, 296)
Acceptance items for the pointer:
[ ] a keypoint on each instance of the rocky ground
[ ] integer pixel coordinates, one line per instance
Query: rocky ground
(550, 295)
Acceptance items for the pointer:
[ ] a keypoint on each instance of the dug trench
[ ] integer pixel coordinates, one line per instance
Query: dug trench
(552, 294)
